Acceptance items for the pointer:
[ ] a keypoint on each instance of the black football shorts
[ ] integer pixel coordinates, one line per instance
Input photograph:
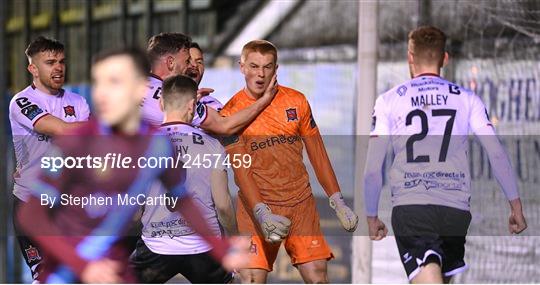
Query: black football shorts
(431, 233)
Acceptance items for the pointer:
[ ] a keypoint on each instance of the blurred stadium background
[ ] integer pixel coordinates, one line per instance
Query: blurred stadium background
(324, 52)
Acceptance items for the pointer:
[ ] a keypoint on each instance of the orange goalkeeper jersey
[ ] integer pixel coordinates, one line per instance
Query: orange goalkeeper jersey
(274, 142)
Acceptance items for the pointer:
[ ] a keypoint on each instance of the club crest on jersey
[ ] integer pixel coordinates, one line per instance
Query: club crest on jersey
(69, 111)
(402, 90)
(32, 254)
(291, 114)
(200, 109)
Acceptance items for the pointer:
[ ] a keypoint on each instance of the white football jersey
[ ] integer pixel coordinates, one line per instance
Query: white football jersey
(25, 109)
(428, 120)
(166, 231)
(151, 112)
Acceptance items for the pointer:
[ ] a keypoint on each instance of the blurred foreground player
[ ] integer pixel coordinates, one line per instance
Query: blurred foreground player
(85, 244)
(169, 54)
(38, 113)
(168, 245)
(275, 199)
(427, 121)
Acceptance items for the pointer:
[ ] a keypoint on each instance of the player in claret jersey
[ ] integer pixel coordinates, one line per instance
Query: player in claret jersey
(169, 246)
(88, 243)
(169, 54)
(275, 199)
(427, 121)
(37, 113)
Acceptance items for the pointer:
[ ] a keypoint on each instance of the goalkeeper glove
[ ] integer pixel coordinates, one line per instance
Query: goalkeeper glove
(348, 219)
(274, 227)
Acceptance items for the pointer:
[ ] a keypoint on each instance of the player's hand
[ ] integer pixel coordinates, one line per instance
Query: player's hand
(102, 271)
(201, 92)
(271, 90)
(377, 229)
(274, 227)
(516, 222)
(348, 219)
(238, 255)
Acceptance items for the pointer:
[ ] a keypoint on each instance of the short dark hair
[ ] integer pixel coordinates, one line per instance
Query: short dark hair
(176, 89)
(196, 45)
(140, 61)
(428, 44)
(166, 43)
(41, 44)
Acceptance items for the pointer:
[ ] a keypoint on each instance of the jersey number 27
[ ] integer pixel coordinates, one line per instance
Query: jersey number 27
(451, 113)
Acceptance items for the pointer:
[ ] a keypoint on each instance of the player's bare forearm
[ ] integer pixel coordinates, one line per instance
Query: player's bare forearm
(321, 164)
(227, 219)
(223, 202)
(53, 126)
(36, 222)
(234, 123)
(516, 205)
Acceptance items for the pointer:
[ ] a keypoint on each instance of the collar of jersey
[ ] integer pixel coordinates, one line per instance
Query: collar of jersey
(176, 123)
(155, 76)
(60, 92)
(427, 74)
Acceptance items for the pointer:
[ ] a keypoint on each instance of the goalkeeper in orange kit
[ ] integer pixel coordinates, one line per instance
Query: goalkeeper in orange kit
(275, 199)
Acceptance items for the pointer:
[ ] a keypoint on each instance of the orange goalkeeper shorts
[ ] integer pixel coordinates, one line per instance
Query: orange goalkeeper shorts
(304, 243)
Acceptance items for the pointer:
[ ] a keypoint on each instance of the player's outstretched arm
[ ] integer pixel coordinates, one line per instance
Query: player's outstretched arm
(373, 185)
(52, 126)
(217, 124)
(505, 175)
(223, 201)
(327, 178)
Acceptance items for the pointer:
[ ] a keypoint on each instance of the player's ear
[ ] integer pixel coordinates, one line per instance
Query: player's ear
(32, 69)
(242, 67)
(191, 106)
(410, 57)
(161, 106)
(170, 63)
(446, 59)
